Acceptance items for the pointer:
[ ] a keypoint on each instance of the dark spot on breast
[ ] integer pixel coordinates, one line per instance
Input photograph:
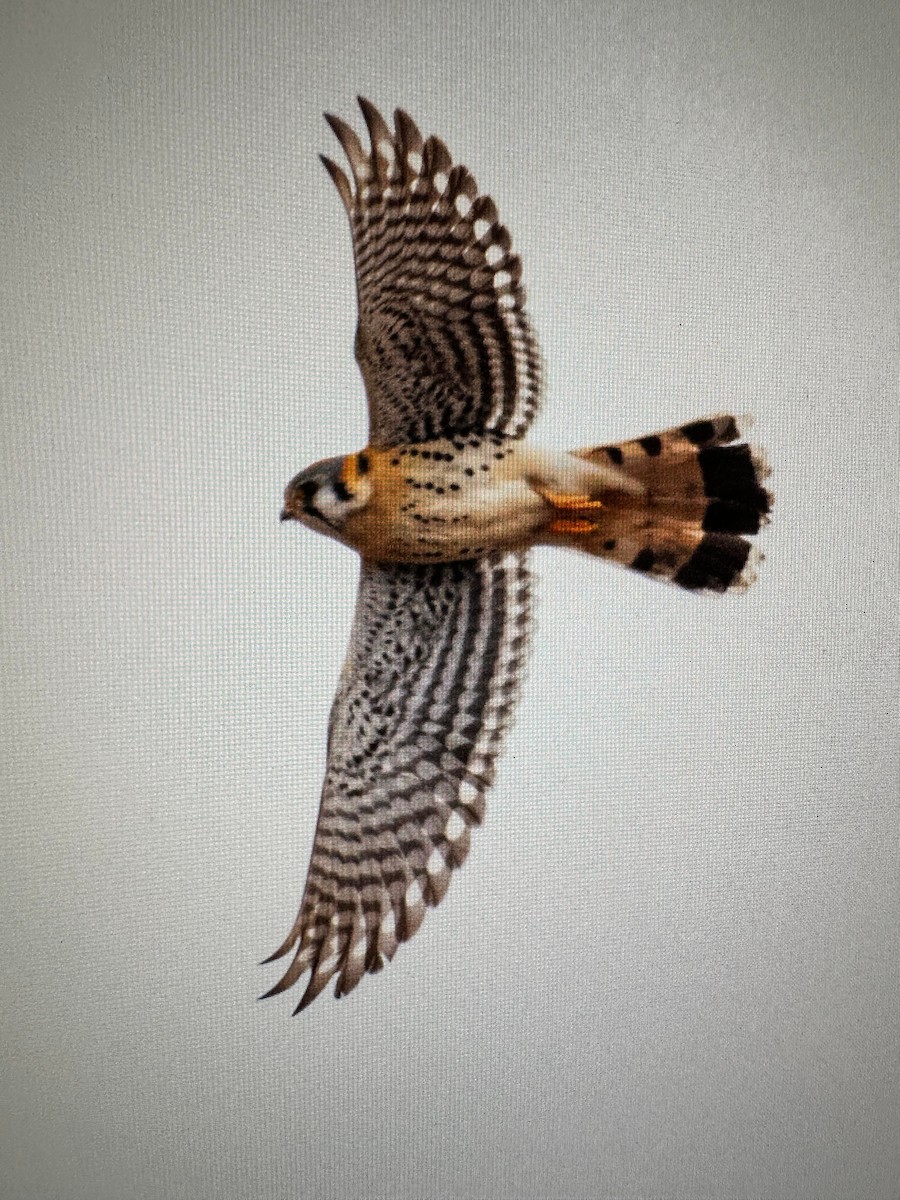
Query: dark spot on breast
(470, 470)
(485, 467)
(651, 445)
(439, 491)
(426, 453)
(429, 485)
(395, 462)
(614, 454)
(454, 487)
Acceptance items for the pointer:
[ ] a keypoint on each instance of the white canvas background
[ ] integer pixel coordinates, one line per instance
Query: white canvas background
(670, 966)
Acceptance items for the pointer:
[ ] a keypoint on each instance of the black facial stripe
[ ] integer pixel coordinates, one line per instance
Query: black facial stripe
(362, 462)
(310, 509)
(341, 490)
(308, 490)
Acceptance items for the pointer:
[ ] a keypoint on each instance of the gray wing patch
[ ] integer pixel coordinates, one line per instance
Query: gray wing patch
(425, 698)
(443, 341)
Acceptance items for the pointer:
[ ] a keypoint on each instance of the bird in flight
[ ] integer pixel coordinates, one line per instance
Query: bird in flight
(442, 507)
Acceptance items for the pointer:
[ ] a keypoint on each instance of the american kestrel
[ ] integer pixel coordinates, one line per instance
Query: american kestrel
(442, 506)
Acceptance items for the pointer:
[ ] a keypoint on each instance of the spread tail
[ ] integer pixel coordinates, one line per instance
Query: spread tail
(702, 499)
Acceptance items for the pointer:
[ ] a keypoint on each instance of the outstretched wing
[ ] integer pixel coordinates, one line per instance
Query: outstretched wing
(443, 342)
(425, 697)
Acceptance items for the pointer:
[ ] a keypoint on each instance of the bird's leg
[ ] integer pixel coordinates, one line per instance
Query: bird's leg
(566, 500)
(572, 525)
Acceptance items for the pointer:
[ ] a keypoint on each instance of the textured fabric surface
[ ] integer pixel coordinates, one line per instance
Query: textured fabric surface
(670, 966)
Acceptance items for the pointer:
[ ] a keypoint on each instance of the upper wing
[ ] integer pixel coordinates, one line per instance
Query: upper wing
(443, 342)
(425, 697)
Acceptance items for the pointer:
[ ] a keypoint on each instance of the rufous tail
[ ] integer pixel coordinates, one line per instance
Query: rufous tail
(703, 501)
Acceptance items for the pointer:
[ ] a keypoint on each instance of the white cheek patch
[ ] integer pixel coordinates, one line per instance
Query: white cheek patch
(334, 508)
(327, 503)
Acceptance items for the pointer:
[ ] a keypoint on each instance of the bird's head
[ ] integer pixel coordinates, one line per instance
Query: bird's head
(327, 493)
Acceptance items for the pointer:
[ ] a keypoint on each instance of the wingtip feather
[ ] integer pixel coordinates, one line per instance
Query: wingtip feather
(340, 181)
(351, 145)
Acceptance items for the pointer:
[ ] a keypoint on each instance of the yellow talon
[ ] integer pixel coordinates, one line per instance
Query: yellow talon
(566, 500)
(572, 525)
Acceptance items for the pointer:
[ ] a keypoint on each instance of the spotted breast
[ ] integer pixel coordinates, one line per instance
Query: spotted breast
(446, 500)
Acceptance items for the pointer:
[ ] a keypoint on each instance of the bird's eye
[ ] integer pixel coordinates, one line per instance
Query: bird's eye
(341, 490)
(308, 489)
